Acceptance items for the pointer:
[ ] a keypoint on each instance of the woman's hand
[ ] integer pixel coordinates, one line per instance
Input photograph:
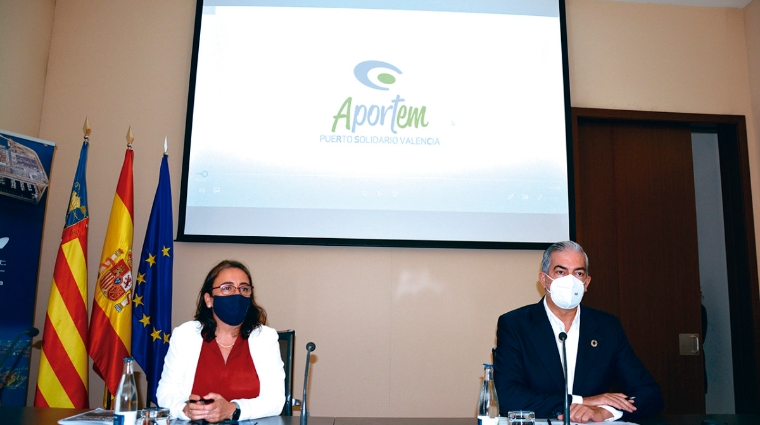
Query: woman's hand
(211, 407)
(194, 408)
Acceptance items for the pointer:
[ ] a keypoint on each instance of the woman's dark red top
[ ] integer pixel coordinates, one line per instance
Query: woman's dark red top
(232, 380)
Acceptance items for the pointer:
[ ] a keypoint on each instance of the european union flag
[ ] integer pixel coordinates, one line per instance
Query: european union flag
(152, 302)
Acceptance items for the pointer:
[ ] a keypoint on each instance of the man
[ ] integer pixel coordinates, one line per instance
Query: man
(528, 369)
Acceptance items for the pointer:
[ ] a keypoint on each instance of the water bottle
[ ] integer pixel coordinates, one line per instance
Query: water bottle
(488, 404)
(125, 405)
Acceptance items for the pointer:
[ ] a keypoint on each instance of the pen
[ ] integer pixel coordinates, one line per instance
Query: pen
(200, 401)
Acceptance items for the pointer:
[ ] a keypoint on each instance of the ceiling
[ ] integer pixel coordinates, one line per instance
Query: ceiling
(708, 3)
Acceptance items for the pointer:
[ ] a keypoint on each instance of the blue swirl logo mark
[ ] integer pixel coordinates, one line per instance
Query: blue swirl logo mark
(362, 70)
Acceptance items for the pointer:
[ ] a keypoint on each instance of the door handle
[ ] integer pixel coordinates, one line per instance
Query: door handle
(688, 344)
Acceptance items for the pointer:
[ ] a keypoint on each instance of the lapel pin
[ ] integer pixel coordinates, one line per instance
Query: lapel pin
(594, 343)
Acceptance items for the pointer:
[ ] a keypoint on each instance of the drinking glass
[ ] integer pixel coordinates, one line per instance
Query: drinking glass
(521, 417)
(154, 416)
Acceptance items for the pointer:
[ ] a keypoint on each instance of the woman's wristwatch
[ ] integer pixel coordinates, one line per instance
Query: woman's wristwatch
(236, 415)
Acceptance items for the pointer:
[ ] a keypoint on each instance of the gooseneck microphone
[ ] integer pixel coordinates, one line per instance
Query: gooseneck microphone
(566, 414)
(304, 411)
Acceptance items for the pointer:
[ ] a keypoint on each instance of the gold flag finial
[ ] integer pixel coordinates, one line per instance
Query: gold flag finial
(130, 137)
(86, 128)
(166, 143)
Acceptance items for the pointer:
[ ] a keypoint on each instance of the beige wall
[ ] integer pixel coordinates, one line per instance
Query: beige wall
(399, 332)
(25, 29)
(752, 33)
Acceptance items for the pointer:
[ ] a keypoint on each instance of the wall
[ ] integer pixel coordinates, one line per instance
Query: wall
(25, 30)
(399, 332)
(752, 34)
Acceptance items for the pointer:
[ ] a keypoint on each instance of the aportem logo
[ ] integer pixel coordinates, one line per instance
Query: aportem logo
(395, 113)
(363, 70)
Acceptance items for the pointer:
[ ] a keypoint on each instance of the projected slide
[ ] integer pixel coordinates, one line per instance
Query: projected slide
(394, 121)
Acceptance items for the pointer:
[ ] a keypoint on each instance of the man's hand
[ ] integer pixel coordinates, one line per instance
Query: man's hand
(582, 413)
(619, 401)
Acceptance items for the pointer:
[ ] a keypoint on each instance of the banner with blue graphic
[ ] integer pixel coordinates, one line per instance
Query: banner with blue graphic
(24, 176)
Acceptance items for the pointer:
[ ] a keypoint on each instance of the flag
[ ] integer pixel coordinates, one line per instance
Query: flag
(152, 303)
(63, 373)
(111, 320)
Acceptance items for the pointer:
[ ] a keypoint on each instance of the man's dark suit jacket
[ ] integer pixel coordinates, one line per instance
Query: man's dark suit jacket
(528, 370)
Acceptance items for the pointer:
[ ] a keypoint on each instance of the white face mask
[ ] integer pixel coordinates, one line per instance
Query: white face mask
(566, 291)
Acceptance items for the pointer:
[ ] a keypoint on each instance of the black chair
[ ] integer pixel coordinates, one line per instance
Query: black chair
(287, 351)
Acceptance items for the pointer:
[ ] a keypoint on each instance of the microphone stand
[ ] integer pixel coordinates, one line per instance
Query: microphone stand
(566, 414)
(304, 411)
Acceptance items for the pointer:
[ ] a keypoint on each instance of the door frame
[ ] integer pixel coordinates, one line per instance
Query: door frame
(741, 250)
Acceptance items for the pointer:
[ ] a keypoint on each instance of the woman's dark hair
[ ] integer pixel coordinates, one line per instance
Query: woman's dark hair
(255, 317)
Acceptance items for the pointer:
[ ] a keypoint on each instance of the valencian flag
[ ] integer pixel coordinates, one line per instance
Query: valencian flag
(152, 303)
(111, 321)
(63, 376)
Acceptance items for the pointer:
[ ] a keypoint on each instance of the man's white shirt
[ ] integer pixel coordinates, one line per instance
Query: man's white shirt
(571, 345)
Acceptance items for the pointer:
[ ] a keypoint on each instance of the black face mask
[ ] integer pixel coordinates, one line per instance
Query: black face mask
(231, 309)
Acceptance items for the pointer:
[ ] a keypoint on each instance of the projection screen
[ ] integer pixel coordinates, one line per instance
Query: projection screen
(379, 123)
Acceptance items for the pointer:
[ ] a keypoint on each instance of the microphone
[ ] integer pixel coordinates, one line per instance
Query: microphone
(304, 411)
(566, 414)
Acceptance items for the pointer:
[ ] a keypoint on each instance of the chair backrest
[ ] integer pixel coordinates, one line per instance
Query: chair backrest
(287, 351)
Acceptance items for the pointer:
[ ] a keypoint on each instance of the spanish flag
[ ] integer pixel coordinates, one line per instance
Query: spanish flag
(111, 321)
(63, 376)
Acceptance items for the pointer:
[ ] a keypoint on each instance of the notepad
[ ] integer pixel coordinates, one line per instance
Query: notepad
(93, 417)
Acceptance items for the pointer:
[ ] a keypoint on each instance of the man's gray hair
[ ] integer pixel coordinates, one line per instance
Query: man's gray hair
(559, 247)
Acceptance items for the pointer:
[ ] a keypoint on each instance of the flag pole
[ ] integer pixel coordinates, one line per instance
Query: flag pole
(151, 315)
(62, 379)
(107, 399)
(110, 323)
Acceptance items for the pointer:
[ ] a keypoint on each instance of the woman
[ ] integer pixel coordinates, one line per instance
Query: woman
(241, 372)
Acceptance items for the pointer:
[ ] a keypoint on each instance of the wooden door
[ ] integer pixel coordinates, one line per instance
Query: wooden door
(636, 218)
